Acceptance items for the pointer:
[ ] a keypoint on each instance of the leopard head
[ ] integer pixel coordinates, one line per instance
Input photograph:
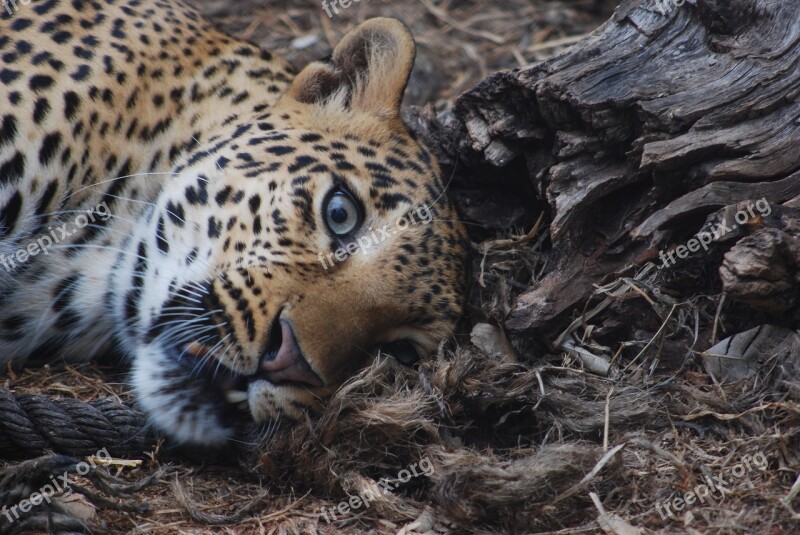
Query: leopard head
(291, 246)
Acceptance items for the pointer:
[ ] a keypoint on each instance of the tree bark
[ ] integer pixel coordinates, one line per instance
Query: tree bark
(658, 121)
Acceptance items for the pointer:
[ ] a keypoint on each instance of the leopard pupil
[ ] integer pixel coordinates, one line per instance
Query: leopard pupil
(339, 215)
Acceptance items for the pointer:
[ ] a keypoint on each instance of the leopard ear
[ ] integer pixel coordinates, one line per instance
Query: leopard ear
(369, 70)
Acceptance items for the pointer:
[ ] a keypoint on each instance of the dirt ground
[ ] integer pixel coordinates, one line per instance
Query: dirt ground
(459, 42)
(515, 445)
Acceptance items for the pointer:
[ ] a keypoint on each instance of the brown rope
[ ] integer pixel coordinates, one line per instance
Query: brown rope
(33, 424)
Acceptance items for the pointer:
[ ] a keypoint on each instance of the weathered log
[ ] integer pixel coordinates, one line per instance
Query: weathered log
(763, 270)
(660, 118)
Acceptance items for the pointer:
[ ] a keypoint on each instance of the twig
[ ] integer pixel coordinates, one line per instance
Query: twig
(441, 15)
(716, 319)
(569, 40)
(608, 418)
(658, 333)
(593, 363)
(591, 475)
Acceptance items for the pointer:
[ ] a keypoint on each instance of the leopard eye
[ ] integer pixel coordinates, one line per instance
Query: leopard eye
(403, 351)
(342, 213)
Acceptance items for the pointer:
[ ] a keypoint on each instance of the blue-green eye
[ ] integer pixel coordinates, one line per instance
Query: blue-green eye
(342, 213)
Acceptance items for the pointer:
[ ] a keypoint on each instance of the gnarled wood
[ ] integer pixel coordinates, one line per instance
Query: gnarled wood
(763, 270)
(636, 134)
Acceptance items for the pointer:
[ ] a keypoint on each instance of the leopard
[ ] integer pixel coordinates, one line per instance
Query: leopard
(180, 197)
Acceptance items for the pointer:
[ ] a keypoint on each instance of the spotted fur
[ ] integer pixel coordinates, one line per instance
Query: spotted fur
(202, 164)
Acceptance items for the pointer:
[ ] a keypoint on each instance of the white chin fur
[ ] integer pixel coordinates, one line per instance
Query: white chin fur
(167, 403)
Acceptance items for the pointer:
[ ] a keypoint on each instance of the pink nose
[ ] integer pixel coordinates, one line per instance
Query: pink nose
(288, 365)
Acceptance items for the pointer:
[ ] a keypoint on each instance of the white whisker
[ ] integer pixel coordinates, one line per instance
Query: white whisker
(135, 175)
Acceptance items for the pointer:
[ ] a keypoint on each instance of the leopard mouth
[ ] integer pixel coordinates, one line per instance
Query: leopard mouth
(282, 364)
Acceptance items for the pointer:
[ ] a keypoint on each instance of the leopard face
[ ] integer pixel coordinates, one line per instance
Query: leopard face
(290, 245)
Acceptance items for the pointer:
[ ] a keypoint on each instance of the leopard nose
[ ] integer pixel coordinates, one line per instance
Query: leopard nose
(288, 364)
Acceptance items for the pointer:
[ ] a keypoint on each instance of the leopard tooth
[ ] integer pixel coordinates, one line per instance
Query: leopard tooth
(235, 396)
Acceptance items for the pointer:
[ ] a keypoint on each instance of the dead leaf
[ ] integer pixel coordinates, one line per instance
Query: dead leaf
(76, 505)
(742, 355)
(494, 342)
(423, 524)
